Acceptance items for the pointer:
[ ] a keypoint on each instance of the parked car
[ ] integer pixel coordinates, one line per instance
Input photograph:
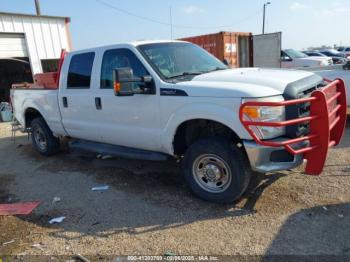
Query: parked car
(334, 54)
(291, 58)
(337, 58)
(155, 100)
(345, 51)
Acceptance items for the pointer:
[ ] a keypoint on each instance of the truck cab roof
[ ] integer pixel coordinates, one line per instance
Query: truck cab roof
(127, 44)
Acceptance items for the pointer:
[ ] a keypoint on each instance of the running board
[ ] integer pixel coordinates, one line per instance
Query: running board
(118, 151)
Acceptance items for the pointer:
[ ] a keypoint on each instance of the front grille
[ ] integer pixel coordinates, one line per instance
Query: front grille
(302, 110)
(296, 91)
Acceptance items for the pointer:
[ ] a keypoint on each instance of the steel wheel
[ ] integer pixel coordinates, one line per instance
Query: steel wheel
(212, 173)
(40, 138)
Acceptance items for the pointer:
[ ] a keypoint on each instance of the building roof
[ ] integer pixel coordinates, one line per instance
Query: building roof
(33, 15)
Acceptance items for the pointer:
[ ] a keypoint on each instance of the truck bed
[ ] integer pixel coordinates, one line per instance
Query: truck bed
(40, 99)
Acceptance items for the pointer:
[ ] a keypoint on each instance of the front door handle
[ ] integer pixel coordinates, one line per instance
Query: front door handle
(98, 103)
(65, 101)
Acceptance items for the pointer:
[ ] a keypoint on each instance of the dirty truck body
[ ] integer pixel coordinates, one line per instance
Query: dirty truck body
(152, 100)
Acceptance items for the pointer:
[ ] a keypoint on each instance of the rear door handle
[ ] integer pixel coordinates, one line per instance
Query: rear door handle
(65, 101)
(98, 103)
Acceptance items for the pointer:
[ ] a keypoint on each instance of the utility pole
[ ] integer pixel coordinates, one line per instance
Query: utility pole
(171, 23)
(265, 4)
(37, 7)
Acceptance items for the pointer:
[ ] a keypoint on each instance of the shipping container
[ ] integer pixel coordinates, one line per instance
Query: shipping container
(233, 47)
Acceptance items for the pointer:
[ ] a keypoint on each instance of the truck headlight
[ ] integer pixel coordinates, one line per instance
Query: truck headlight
(266, 114)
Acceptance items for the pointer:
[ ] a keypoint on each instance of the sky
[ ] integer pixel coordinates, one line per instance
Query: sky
(303, 23)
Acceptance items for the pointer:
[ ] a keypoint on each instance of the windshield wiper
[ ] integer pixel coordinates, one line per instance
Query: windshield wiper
(185, 74)
(196, 73)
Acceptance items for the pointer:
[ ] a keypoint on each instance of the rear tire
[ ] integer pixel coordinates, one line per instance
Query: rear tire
(42, 138)
(216, 170)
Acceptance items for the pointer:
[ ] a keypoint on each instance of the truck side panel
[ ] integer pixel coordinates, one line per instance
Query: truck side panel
(44, 101)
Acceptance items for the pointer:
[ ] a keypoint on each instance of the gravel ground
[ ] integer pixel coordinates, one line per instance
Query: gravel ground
(148, 210)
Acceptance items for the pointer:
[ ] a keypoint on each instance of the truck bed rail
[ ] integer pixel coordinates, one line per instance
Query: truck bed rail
(327, 123)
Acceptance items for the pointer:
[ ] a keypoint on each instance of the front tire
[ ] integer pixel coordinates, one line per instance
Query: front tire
(42, 138)
(216, 170)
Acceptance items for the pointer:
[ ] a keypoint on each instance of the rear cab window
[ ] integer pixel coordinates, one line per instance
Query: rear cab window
(79, 72)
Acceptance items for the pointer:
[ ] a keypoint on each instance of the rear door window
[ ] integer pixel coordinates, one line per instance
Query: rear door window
(79, 73)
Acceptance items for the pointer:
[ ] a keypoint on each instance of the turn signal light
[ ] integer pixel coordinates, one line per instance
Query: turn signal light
(116, 87)
(251, 112)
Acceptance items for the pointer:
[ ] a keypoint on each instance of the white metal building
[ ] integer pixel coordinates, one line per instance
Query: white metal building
(30, 44)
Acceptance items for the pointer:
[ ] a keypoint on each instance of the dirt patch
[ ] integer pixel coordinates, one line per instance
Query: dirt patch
(13, 231)
(5, 180)
(148, 209)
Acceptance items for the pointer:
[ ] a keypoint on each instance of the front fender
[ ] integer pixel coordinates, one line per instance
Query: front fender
(224, 115)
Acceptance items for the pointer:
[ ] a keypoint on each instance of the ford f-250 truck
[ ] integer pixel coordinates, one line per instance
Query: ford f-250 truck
(152, 100)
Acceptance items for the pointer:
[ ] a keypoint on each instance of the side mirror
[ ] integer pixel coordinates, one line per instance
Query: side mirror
(124, 82)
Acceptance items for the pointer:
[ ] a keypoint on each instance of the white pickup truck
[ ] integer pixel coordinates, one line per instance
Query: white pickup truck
(291, 58)
(152, 100)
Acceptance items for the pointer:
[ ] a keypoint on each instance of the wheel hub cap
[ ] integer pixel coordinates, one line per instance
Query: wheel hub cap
(211, 173)
(40, 138)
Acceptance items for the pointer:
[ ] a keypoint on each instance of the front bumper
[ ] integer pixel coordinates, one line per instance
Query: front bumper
(269, 159)
(327, 121)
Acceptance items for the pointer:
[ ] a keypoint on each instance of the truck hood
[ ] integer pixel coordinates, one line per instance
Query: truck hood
(243, 82)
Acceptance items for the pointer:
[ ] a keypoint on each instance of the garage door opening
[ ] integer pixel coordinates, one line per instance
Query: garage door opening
(13, 70)
(14, 63)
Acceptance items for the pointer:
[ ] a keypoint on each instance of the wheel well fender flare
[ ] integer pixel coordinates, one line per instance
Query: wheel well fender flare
(202, 111)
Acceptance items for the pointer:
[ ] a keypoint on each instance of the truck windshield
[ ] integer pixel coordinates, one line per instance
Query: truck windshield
(180, 60)
(294, 53)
